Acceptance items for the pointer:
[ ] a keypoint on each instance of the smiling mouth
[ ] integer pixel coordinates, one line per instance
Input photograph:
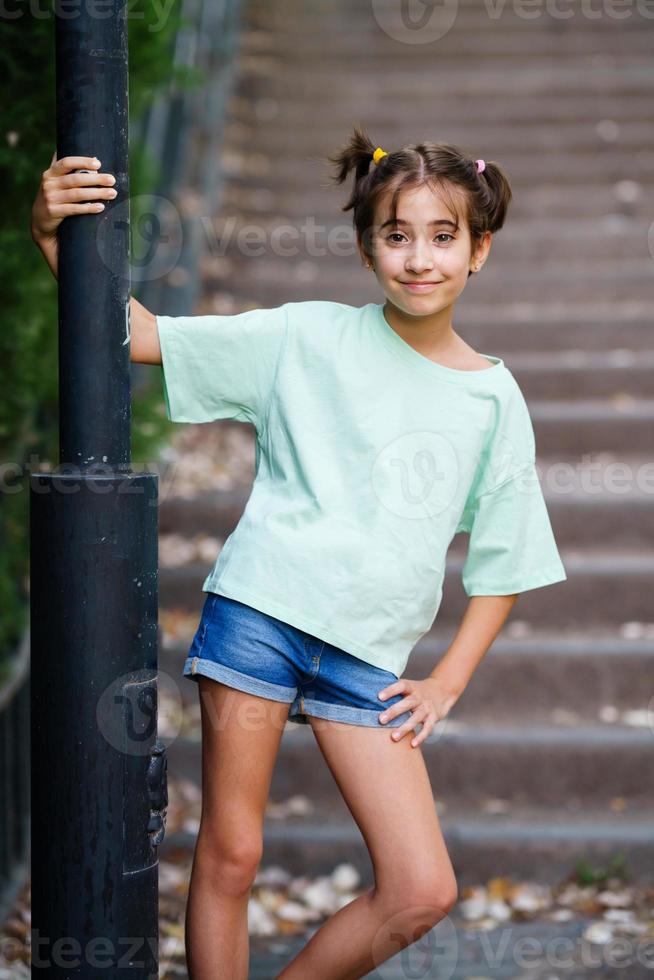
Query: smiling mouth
(421, 283)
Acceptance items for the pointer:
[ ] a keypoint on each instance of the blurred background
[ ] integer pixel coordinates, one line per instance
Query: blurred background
(543, 771)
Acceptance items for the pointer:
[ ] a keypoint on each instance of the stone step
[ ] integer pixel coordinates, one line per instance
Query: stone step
(482, 953)
(597, 425)
(582, 108)
(536, 676)
(214, 512)
(550, 325)
(577, 374)
(302, 281)
(286, 142)
(489, 49)
(391, 63)
(630, 200)
(298, 278)
(480, 82)
(278, 237)
(524, 166)
(599, 132)
(483, 81)
(278, 113)
(540, 677)
(525, 842)
(607, 498)
(546, 765)
(618, 231)
(603, 589)
(366, 22)
(515, 327)
(549, 19)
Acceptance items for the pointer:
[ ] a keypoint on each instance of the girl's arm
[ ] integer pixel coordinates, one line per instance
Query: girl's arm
(60, 195)
(483, 619)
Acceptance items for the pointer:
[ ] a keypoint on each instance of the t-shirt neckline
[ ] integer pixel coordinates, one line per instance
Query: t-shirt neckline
(396, 343)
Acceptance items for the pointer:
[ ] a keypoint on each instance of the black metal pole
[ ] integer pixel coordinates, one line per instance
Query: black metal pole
(98, 785)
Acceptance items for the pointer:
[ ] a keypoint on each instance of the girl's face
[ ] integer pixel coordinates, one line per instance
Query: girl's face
(423, 247)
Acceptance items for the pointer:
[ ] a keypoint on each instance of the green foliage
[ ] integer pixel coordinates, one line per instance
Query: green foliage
(28, 340)
(617, 867)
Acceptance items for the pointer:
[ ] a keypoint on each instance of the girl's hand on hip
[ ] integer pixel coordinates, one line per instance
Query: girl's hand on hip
(427, 700)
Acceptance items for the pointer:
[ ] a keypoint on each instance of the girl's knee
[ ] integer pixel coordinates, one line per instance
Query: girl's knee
(231, 863)
(421, 897)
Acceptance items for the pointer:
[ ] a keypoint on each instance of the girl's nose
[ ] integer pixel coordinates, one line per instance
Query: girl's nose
(420, 259)
(420, 262)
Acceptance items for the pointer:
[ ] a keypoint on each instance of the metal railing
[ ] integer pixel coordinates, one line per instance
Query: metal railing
(15, 788)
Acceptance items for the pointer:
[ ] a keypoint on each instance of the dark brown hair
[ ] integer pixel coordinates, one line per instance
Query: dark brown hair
(485, 195)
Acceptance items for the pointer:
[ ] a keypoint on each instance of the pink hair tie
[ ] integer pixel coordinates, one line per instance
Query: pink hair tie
(481, 165)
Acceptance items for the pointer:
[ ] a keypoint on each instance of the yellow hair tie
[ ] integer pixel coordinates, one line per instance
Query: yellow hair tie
(378, 154)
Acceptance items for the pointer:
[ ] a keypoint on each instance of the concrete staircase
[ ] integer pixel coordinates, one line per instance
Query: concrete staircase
(549, 754)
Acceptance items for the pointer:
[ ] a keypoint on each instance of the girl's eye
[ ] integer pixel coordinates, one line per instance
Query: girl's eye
(397, 234)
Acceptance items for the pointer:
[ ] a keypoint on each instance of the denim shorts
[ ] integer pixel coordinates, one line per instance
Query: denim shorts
(252, 651)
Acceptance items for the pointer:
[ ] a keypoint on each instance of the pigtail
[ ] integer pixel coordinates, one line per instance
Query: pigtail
(497, 194)
(355, 155)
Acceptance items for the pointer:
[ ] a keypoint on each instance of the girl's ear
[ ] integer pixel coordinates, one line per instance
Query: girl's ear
(484, 246)
(364, 258)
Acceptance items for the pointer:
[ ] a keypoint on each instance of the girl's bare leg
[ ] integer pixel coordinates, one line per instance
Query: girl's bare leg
(240, 738)
(387, 789)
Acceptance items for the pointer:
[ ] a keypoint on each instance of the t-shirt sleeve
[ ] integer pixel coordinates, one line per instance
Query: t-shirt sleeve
(512, 546)
(220, 366)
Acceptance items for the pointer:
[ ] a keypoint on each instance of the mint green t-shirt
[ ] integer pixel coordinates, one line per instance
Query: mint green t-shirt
(369, 457)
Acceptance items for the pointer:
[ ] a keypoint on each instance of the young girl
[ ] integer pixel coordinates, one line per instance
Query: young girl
(380, 433)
